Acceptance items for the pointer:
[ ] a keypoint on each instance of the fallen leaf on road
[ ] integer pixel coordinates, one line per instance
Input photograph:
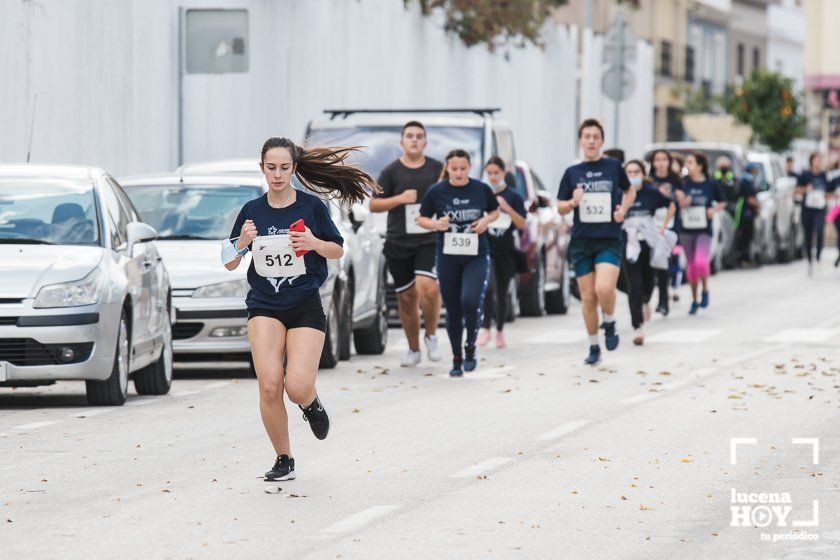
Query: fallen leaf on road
(593, 381)
(297, 496)
(168, 491)
(603, 459)
(273, 490)
(686, 460)
(506, 391)
(714, 533)
(481, 477)
(664, 373)
(355, 411)
(645, 508)
(733, 397)
(624, 497)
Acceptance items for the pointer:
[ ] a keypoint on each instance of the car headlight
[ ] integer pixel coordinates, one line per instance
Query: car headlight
(236, 288)
(70, 294)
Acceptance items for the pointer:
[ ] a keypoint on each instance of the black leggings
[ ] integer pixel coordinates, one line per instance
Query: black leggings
(813, 222)
(496, 297)
(462, 280)
(640, 277)
(663, 277)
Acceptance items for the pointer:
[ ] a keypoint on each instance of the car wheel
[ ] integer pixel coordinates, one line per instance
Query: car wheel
(374, 339)
(329, 355)
(532, 293)
(114, 390)
(345, 322)
(156, 378)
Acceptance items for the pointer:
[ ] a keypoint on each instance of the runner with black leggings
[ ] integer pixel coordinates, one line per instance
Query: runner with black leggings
(815, 190)
(463, 208)
(502, 251)
(291, 236)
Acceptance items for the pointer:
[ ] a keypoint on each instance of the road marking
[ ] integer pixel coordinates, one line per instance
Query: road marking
(563, 430)
(482, 468)
(731, 361)
(34, 425)
(697, 375)
(3, 434)
(185, 393)
(801, 335)
(87, 413)
(684, 336)
(141, 401)
(559, 336)
(361, 518)
(479, 374)
(218, 385)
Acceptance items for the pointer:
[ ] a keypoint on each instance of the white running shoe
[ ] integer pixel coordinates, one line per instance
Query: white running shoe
(432, 348)
(639, 337)
(411, 358)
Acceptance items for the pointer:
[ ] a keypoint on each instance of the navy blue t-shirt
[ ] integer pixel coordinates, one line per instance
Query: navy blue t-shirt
(503, 239)
(463, 205)
(287, 292)
(603, 176)
(705, 193)
(820, 182)
(674, 181)
(648, 200)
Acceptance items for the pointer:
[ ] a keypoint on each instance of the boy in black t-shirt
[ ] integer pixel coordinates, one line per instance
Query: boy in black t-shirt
(410, 249)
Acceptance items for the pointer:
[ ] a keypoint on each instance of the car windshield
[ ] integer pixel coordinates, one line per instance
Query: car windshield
(179, 211)
(382, 144)
(48, 211)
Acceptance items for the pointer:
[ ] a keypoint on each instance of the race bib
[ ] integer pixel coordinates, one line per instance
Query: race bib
(460, 244)
(274, 257)
(694, 217)
(595, 208)
(815, 199)
(412, 211)
(502, 223)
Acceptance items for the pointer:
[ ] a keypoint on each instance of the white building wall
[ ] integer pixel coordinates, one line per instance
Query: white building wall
(785, 41)
(635, 113)
(107, 78)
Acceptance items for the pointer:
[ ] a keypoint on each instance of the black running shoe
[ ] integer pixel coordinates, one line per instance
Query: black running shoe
(283, 469)
(457, 368)
(317, 417)
(470, 362)
(610, 336)
(662, 309)
(594, 356)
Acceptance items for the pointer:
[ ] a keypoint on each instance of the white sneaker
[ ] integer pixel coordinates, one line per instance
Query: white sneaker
(411, 358)
(432, 348)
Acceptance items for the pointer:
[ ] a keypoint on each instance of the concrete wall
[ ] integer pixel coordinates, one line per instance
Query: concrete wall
(107, 78)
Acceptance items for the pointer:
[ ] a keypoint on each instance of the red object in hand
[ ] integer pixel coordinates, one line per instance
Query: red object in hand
(299, 226)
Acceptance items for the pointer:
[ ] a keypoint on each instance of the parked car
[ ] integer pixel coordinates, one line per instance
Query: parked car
(378, 130)
(723, 251)
(355, 287)
(85, 295)
(544, 241)
(781, 234)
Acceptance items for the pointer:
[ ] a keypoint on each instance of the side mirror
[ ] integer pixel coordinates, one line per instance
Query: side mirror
(138, 232)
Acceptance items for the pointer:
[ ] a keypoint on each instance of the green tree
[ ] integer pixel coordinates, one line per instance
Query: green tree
(496, 21)
(767, 103)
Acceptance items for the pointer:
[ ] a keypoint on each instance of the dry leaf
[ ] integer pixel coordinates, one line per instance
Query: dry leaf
(685, 460)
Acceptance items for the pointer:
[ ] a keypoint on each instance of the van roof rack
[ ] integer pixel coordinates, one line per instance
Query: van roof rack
(480, 111)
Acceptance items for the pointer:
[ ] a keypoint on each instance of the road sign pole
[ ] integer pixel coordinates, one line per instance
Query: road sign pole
(616, 115)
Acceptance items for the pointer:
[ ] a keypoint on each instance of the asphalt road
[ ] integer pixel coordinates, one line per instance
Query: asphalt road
(532, 456)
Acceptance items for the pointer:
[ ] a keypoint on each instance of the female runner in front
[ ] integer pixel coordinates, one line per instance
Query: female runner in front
(289, 264)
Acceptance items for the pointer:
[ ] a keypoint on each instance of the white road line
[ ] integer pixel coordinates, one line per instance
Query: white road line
(684, 336)
(483, 467)
(563, 430)
(697, 375)
(731, 361)
(218, 385)
(3, 434)
(558, 336)
(185, 393)
(801, 335)
(361, 518)
(141, 402)
(87, 413)
(34, 425)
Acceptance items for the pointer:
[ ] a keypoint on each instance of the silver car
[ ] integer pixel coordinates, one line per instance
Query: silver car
(84, 294)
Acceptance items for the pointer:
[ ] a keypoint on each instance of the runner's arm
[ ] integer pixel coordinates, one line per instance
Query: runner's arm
(380, 204)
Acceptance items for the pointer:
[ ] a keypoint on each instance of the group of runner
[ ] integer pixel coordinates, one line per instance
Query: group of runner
(451, 237)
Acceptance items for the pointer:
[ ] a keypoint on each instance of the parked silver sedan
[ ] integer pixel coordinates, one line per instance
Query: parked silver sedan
(192, 214)
(84, 293)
